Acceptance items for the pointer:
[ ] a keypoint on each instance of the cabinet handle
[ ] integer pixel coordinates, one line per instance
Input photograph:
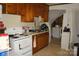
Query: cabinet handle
(20, 48)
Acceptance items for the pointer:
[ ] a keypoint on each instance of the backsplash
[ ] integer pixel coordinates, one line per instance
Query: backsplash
(15, 20)
(29, 24)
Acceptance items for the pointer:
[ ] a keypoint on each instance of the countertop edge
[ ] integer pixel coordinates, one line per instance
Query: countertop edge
(36, 33)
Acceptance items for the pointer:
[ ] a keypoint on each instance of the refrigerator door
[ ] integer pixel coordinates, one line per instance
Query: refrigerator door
(4, 41)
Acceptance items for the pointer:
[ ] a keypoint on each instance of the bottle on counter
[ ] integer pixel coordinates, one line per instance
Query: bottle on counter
(26, 29)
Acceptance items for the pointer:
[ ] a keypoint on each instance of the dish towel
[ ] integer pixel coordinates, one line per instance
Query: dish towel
(34, 42)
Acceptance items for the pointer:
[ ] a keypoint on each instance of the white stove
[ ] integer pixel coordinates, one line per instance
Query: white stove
(22, 45)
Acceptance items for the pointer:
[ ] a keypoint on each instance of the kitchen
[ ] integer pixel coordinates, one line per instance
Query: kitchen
(27, 27)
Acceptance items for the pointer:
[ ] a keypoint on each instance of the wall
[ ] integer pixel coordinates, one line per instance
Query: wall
(67, 38)
(76, 26)
(15, 20)
(71, 17)
(29, 24)
(48, 24)
(65, 7)
(54, 14)
(0, 11)
(11, 20)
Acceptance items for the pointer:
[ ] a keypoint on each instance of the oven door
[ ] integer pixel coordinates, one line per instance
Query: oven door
(23, 46)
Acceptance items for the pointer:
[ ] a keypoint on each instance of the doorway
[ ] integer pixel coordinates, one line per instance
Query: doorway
(56, 28)
(56, 20)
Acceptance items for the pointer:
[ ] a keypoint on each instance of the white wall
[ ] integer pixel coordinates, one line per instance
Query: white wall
(11, 20)
(67, 40)
(76, 26)
(29, 24)
(15, 20)
(65, 7)
(0, 11)
(71, 17)
(53, 14)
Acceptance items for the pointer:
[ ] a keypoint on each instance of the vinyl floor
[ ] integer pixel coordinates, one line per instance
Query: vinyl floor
(53, 49)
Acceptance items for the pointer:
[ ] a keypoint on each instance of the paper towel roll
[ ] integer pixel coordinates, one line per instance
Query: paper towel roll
(34, 42)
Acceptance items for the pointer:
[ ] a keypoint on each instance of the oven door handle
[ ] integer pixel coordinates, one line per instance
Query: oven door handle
(20, 47)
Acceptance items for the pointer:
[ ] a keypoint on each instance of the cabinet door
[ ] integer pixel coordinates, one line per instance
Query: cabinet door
(22, 11)
(45, 14)
(11, 8)
(26, 12)
(38, 10)
(29, 13)
(41, 10)
(42, 40)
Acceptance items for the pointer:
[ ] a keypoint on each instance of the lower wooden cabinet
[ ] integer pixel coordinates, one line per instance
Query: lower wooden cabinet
(40, 41)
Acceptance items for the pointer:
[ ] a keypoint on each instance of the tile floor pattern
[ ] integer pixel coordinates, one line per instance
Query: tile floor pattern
(53, 49)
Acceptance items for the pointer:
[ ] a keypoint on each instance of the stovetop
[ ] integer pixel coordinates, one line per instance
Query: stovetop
(17, 36)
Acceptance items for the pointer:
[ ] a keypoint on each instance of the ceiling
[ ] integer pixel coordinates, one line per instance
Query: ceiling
(53, 4)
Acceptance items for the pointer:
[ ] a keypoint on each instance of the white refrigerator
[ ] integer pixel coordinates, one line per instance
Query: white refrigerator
(4, 39)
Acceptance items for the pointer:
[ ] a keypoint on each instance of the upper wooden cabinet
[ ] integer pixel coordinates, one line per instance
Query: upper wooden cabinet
(22, 11)
(9, 8)
(27, 10)
(41, 10)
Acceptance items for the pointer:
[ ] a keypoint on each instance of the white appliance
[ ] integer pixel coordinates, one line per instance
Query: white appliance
(56, 32)
(37, 22)
(4, 42)
(21, 46)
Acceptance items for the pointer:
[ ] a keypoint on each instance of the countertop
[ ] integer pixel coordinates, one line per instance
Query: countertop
(35, 33)
(29, 34)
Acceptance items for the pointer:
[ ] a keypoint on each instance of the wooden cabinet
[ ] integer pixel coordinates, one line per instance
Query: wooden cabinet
(29, 13)
(41, 41)
(41, 10)
(22, 11)
(27, 10)
(45, 13)
(9, 8)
